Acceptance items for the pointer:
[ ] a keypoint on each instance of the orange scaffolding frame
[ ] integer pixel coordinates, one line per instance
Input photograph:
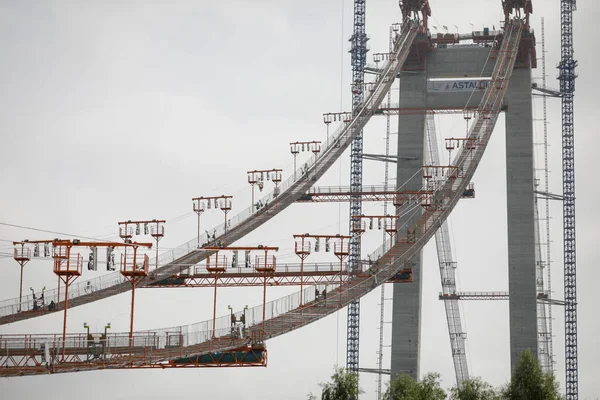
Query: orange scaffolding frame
(23, 256)
(297, 147)
(340, 249)
(157, 231)
(63, 267)
(200, 205)
(257, 177)
(219, 270)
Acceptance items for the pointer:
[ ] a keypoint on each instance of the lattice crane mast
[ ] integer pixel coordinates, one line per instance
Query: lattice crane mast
(567, 77)
(358, 52)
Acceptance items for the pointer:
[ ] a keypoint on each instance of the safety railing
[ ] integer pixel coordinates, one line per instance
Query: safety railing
(346, 189)
(291, 268)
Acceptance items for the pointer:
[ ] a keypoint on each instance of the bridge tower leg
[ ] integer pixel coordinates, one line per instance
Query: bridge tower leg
(406, 314)
(520, 216)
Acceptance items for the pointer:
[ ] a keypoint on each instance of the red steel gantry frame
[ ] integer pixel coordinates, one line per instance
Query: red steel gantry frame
(220, 267)
(302, 248)
(68, 268)
(387, 222)
(343, 116)
(395, 109)
(340, 249)
(157, 231)
(202, 203)
(284, 275)
(454, 143)
(22, 256)
(390, 224)
(257, 177)
(372, 193)
(296, 148)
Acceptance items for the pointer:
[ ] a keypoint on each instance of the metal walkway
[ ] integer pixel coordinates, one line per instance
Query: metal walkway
(284, 315)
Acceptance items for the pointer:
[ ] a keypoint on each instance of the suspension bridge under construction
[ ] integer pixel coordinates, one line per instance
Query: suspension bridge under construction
(480, 76)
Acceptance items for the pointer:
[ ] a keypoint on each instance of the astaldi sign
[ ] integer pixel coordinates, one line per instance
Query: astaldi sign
(455, 86)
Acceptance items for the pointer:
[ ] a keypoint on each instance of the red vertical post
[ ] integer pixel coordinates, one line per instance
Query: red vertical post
(133, 280)
(294, 149)
(156, 267)
(66, 305)
(301, 268)
(215, 295)
(264, 313)
(64, 335)
(157, 234)
(21, 288)
(198, 229)
(341, 266)
(22, 258)
(264, 317)
(58, 293)
(198, 209)
(22, 264)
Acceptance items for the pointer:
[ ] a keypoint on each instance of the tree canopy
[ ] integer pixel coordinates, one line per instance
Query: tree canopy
(474, 389)
(343, 386)
(529, 382)
(407, 388)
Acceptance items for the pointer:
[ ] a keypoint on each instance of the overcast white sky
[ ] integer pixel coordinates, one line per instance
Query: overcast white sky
(128, 109)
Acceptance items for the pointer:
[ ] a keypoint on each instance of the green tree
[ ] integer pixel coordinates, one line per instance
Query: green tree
(343, 386)
(529, 382)
(474, 389)
(406, 388)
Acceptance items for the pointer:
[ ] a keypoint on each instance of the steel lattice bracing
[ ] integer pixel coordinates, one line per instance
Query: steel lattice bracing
(447, 275)
(284, 275)
(285, 314)
(567, 88)
(358, 52)
(541, 297)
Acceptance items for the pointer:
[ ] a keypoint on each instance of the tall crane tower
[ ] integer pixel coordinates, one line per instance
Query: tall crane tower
(358, 52)
(567, 77)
